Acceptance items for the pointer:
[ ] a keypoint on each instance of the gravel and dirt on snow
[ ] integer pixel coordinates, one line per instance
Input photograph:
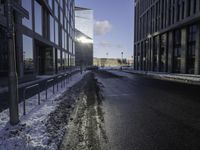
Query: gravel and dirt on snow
(44, 125)
(86, 130)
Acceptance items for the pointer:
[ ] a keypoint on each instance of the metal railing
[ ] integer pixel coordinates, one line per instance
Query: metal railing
(24, 95)
(60, 79)
(47, 86)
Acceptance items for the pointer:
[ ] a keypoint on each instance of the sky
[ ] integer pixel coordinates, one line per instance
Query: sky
(113, 27)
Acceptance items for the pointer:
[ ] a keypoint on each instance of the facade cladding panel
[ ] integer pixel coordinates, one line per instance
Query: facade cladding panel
(44, 42)
(167, 36)
(84, 36)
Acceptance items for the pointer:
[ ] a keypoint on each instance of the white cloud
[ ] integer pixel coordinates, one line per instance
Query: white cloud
(107, 45)
(102, 27)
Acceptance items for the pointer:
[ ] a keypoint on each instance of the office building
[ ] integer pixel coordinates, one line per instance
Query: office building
(167, 36)
(44, 42)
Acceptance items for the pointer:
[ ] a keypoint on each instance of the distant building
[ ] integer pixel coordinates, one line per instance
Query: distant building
(84, 36)
(44, 42)
(167, 36)
(111, 62)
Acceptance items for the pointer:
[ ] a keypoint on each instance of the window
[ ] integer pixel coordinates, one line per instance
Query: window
(3, 53)
(69, 59)
(50, 2)
(61, 3)
(194, 6)
(56, 33)
(155, 53)
(183, 10)
(38, 18)
(27, 4)
(52, 29)
(61, 17)
(66, 37)
(70, 44)
(55, 8)
(59, 59)
(49, 63)
(191, 49)
(177, 51)
(63, 38)
(28, 54)
(163, 52)
(178, 11)
(72, 60)
(65, 60)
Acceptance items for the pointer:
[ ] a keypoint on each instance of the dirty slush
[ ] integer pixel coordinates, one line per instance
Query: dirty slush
(78, 122)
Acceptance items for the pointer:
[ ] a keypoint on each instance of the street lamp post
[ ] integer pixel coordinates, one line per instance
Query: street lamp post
(107, 59)
(132, 61)
(13, 79)
(122, 53)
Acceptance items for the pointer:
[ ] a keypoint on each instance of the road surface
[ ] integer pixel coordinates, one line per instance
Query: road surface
(147, 114)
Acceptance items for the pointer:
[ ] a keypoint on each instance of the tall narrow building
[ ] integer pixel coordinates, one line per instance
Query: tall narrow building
(167, 36)
(84, 36)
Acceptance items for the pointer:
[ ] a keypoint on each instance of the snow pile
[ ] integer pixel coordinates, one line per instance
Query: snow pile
(31, 133)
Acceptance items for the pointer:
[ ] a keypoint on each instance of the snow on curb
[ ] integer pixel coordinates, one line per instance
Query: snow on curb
(192, 79)
(31, 131)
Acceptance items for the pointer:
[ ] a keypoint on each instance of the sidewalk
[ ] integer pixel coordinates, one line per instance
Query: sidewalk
(37, 129)
(182, 78)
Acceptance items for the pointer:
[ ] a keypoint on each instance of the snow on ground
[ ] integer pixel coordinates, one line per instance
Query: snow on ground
(31, 131)
(186, 78)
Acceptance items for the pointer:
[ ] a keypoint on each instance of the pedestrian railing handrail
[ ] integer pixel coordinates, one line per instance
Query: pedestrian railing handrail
(24, 95)
(47, 86)
(63, 79)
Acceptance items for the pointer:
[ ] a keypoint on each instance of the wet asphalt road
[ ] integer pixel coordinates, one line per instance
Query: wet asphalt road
(148, 114)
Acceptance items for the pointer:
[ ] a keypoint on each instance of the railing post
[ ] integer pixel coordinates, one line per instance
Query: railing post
(53, 86)
(57, 83)
(24, 96)
(38, 95)
(24, 103)
(61, 81)
(46, 89)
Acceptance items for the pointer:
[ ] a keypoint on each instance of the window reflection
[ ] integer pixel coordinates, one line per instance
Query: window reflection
(65, 60)
(63, 38)
(52, 29)
(49, 60)
(50, 2)
(56, 33)
(27, 4)
(59, 59)
(38, 18)
(28, 54)
(56, 9)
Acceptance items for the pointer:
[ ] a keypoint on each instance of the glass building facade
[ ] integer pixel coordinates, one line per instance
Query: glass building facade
(45, 41)
(167, 36)
(84, 21)
(84, 36)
